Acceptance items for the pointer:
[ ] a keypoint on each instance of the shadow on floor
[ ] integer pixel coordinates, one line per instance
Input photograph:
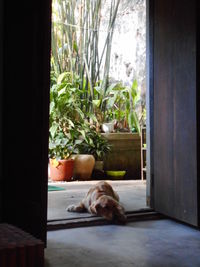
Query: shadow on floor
(161, 243)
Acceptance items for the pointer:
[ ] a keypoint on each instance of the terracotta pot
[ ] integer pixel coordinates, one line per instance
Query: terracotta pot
(83, 167)
(63, 171)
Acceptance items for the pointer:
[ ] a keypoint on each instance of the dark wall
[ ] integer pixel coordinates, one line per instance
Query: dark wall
(24, 134)
(175, 117)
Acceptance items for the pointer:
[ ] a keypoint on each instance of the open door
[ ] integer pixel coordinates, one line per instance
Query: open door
(174, 109)
(25, 72)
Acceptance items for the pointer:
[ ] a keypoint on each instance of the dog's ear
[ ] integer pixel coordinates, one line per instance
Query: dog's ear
(97, 206)
(94, 207)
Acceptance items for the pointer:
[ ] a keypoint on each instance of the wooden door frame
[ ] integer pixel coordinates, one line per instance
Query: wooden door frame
(198, 105)
(149, 100)
(1, 85)
(144, 213)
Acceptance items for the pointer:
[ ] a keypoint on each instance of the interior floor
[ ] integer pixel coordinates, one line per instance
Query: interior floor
(140, 244)
(132, 195)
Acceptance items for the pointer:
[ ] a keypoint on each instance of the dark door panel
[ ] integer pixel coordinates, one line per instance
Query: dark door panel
(175, 129)
(25, 109)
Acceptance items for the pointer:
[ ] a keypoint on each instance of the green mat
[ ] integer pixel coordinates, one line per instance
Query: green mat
(55, 188)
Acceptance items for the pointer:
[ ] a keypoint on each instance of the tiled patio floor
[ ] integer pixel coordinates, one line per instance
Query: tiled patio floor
(132, 195)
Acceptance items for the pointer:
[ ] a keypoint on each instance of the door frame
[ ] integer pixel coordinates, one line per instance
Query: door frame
(198, 104)
(58, 223)
(150, 100)
(1, 93)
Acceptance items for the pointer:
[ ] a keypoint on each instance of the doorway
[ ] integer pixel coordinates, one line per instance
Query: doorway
(33, 111)
(126, 90)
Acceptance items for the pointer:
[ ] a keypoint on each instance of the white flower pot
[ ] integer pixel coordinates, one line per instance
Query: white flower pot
(108, 127)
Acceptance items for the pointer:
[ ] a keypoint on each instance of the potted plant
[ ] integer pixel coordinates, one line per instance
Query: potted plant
(61, 136)
(83, 167)
(92, 148)
(120, 104)
(116, 107)
(96, 145)
(102, 149)
(61, 162)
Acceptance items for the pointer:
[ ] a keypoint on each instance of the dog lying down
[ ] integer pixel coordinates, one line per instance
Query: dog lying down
(103, 201)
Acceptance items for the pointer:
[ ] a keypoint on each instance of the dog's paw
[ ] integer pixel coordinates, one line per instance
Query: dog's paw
(71, 208)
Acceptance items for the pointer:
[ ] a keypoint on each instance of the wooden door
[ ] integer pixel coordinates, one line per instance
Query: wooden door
(174, 86)
(24, 114)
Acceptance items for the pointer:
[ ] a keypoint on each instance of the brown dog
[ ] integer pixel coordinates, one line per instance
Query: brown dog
(103, 201)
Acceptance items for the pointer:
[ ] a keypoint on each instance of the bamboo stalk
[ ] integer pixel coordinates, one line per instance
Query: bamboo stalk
(81, 34)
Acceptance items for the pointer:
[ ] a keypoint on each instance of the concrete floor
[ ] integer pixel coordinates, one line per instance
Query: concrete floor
(161, 243)
(132, 195)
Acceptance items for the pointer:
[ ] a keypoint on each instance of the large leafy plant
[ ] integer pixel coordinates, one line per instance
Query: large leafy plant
(94, 143)
(61, 147)
(119, 103)
(70, 129)
(65, 100)
(64, 109)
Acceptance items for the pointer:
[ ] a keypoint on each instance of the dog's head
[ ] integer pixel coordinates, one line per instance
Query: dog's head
(110, 209)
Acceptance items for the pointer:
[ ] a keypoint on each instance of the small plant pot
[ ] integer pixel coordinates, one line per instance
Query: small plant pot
(108, 127)
(62, 171)
(83, 167)
(116, 175)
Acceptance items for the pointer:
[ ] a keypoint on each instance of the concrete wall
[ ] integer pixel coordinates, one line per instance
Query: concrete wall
(128, 58)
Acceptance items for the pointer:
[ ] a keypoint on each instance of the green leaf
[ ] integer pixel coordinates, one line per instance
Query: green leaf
(61, 77)
(83, 133)
(99, 90)
(75, 47)
(78, 142)
(71, 123)
(133, 121)
(93, 117)
(52, 105)
(91, 142)
(111, 101)
(96, 103)
(134, 85)
(62, 91)
(53, 129)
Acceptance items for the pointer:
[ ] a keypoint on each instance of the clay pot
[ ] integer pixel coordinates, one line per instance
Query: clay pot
(83, 167)
(62, 171)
